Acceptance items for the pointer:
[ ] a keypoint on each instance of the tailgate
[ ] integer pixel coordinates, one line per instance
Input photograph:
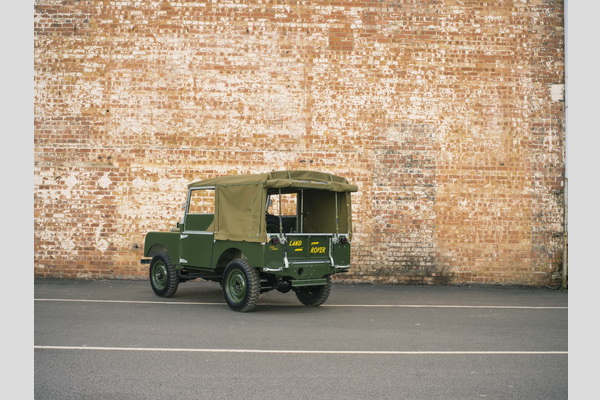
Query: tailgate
(309, 248)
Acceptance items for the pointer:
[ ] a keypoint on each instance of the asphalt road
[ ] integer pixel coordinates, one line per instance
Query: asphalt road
(117, 340)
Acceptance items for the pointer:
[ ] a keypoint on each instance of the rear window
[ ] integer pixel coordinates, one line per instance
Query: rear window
(287, 203)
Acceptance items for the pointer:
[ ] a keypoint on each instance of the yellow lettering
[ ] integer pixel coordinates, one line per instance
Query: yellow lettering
(317, 250)
(296, 243)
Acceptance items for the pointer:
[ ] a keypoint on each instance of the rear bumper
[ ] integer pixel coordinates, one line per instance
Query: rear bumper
(309, 282)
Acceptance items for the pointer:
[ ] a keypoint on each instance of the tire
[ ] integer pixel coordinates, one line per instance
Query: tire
(314, 296)
(241, 285)
(164, 278)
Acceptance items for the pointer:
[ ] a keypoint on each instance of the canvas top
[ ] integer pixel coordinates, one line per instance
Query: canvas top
(281, 180)
(240, 205)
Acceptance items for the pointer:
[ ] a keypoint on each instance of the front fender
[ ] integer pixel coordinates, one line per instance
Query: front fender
(160, 242)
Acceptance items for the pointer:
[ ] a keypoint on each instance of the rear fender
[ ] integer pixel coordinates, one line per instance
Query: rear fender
(228, 250)
(226, 257)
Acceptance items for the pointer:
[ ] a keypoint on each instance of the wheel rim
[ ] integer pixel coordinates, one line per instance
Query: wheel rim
(236, 286)
(159, 275)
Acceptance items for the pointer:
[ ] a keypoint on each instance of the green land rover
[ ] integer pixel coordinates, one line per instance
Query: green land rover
(282, 230)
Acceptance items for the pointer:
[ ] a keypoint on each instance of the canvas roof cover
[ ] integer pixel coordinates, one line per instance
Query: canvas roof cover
(240, 199)
(283, 179)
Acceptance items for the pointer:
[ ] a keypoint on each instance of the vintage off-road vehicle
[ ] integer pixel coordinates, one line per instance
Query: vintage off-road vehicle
(282, 230)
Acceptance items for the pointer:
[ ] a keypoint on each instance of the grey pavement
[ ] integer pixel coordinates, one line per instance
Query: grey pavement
(115, 339)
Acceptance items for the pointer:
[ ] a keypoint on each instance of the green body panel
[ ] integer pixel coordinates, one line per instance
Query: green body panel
(341, 254)
(196, 249)
(308, 257)
(157, 242)
(222, 249)
(198, 222)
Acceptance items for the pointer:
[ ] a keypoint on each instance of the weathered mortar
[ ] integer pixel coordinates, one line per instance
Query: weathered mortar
(446, 114)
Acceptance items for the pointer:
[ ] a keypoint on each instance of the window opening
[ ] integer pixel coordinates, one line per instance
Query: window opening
(202, 201)
(200, 209)
(282, 212)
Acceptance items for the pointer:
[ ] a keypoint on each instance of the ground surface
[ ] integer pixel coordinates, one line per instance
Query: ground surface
(116, 339)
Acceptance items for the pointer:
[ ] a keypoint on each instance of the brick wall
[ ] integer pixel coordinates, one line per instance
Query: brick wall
(447, 115)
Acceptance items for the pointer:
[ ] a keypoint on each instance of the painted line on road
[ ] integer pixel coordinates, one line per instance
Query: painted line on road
(300, 305)
(442, 306)
(341, 352)
(132, 302)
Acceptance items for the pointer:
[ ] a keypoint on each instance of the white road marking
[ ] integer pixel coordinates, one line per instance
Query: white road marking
(132, 302)
(442, 306)
(341, 352)
(299, 305)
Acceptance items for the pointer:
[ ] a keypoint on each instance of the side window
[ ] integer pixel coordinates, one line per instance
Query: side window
(282, 212)
(202, 201)
(289, 204)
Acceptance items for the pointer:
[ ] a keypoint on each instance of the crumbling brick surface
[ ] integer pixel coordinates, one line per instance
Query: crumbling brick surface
(446, 114)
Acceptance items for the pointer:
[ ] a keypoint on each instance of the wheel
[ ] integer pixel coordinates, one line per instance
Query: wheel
(314, 296)
(164, 278)
(241, 285)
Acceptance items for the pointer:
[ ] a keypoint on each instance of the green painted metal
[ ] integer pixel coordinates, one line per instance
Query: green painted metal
(236, 285)
(158, 242)
(309, 282)
(196, 249)
(222, 249)
(159, 275)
